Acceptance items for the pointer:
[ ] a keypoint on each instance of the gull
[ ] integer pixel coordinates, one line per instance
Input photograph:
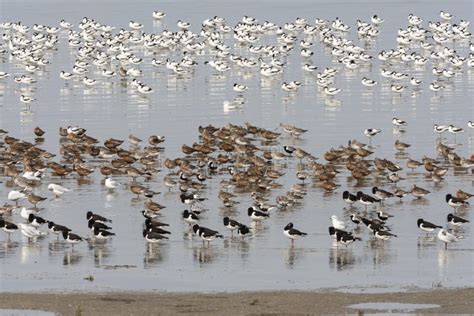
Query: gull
(337, 223)
(445, 236)
(57, 189)
(111, 184)
(30, 231)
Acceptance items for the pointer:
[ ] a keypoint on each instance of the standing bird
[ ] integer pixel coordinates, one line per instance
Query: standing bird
(206, 234)
(447, 237)
(292, 233)
(72, 238)
(8, 227)
(454, 201)
(456, 220)
(231, 224)
(371, 132)
(426, 226)
(398, 122)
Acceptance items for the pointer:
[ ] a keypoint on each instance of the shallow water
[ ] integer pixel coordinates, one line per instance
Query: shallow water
(24, 312)
(390, 306)
(176, 109)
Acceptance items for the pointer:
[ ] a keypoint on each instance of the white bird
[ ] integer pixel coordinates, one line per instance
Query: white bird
(57, 189)
(368, 82)
(15, 196)
(337, 224)
(66, 75)
(447, 237)
(331, 91)
(135, 25)
(30, 231)
(398, 122)
(26, 99)
(157, 15)
(371, 132)
(25, 213)
(111, 184)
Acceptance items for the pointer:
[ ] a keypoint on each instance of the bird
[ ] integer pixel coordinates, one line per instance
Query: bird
(292, 233)
(398, 122)
(30, 231)
(57, 189)
(102, 234)
(454, 201)
(206, 234)
(371, 132)
(447, 237)
(92, 224)
(8, 227)
(57, 229)
(190, 217)
(97, 218)
(36, 221)
(456, 220)
(383, 216)
(257, 215)
(243, 230)
(337, 224)
(383, 235)
(72, 238)
(111, 184)
(366, 199)
(426, 226)
(349, 198)
(152, 237)
(231, 224)
(15, 196)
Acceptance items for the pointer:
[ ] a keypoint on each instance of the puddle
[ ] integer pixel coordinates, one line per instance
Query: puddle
(24, 312)
(390, 306)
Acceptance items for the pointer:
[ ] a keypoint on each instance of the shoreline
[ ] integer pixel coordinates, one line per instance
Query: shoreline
(458, 301)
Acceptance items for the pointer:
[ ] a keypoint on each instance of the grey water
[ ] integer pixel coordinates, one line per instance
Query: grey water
(179, 105)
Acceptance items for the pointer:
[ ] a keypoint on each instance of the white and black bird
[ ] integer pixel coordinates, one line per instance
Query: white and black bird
(8, 227)
(206, 234)
(349, 198)
(454, 201)
(57, 229)
(383, 216)
(92, 224)
(102, 234)
(292, 233)
(383, 234)
(190, 217)
(456, 220)
(371, 132)
(398, 122)
(256, 215)
(231, 224)
(36, 221)
(426, 226)
(72, 238)
(97, 218)
(152, 237)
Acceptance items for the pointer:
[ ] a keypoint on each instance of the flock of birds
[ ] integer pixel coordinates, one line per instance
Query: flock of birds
(243, 156)
(103, 54)
(246, 159)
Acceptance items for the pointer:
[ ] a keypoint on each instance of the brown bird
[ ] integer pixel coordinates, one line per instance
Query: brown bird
(38, 131)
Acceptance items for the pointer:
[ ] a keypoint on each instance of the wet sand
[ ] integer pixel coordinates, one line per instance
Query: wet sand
(452, 301)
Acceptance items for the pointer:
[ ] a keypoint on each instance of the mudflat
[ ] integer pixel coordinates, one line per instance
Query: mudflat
(450, 301)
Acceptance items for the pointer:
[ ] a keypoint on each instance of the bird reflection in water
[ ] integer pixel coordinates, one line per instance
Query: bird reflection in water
(341, 258)
(30, 252)
(203, 254)
(291, 257)
(56, 245)
(71, 258)
(155, 254)
(101, 251)
(8, 247)
(239, 244)
(380, 256)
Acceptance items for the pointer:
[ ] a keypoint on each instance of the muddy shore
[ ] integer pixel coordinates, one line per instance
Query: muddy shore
(452, 301)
